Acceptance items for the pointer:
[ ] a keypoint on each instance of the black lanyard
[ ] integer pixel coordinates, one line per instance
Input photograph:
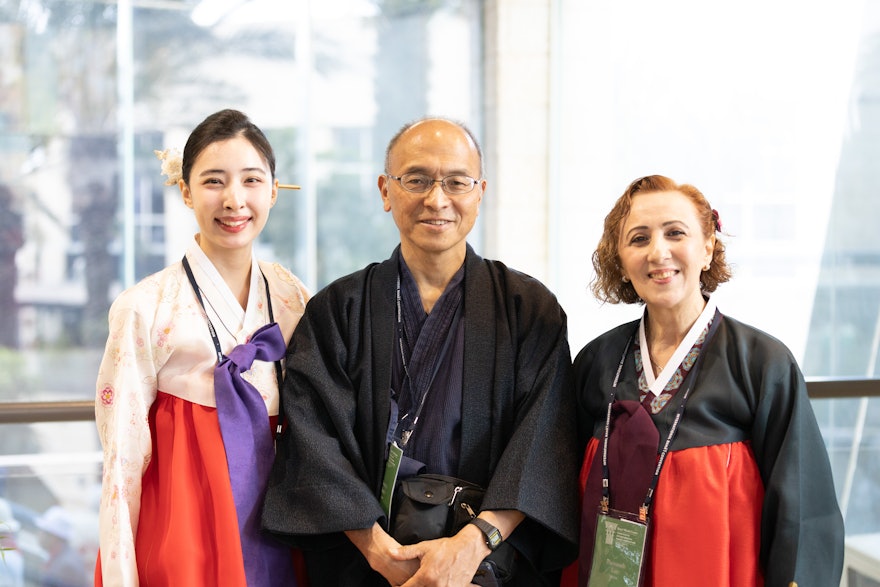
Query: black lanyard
(606, 489)
(217, 348)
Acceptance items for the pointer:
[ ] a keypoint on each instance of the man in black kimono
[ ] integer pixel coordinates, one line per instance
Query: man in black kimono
(460, 360)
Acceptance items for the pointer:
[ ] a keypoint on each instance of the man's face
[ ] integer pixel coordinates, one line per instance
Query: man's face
(433, 224)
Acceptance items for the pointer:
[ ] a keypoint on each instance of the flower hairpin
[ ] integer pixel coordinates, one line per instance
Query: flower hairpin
(172, 168)
(172, 165)
(717, 218)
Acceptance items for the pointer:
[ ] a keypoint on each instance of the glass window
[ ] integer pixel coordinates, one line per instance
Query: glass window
(89, 90)
(779, 130)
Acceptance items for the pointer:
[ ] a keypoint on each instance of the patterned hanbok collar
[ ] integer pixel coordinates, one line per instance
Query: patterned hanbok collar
(658, 384)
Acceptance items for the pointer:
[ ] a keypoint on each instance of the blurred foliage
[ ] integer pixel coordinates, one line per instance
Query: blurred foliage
(14, 378)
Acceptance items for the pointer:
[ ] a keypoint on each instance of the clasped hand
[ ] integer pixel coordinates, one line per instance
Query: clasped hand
(445, 562)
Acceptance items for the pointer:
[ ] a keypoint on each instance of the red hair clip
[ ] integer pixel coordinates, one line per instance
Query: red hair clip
(717, 218)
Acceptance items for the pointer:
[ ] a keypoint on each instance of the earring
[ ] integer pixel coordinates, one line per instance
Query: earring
(707, 266)
(625, 279)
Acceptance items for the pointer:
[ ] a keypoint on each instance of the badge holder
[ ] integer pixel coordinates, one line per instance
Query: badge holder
(389, 478)
(619, 548)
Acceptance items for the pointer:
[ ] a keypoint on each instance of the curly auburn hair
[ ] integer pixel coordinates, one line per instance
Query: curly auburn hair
(608, 285)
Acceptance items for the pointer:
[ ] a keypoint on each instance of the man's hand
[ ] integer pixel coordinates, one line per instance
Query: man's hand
(452, 562)
(377, 547)
(445, 562)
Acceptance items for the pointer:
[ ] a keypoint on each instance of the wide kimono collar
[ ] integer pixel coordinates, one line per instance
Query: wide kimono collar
(219, 299)
(481, 324)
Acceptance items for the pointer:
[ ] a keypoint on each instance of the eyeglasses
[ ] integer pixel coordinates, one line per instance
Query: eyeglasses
(419, 183)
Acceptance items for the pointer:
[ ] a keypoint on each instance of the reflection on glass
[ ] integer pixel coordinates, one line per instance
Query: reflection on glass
(329, 82)
(324, 80)
(49, 488)
(844, 335)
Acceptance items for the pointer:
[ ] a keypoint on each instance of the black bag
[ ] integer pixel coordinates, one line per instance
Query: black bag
(427, 507)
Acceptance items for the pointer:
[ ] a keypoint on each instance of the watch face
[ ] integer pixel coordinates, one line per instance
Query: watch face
(493, 536)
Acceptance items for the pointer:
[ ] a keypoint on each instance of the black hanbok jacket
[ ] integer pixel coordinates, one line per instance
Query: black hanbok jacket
(749, 399)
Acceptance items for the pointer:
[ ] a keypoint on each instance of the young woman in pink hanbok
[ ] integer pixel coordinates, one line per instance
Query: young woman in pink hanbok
(187, 392)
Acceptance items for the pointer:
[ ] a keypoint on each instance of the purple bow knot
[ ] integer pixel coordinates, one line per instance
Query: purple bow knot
(250, 451)
(241, 358)
(266, 344)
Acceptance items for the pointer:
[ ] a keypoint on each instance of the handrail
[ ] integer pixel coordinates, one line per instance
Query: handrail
(842, 387)
(57, 411)
(84, 410)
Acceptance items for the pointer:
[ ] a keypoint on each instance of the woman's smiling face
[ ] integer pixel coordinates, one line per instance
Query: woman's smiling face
(231, 190)
(663, 250)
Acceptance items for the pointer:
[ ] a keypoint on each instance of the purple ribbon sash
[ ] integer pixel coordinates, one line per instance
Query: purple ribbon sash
(250, 451)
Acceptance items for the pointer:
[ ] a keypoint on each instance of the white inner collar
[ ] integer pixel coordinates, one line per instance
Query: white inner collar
(656, 385)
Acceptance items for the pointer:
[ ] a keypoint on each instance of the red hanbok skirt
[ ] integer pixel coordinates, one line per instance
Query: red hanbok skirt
(705, 520)
(187, 533)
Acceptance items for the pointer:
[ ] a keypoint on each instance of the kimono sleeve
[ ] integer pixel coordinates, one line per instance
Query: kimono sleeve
(537, 471)
(319, 486)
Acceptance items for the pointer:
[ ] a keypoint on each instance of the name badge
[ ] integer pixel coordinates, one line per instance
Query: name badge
(619, 550)
(389, 479)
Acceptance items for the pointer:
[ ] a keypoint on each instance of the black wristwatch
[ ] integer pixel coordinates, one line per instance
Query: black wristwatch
(492, 534)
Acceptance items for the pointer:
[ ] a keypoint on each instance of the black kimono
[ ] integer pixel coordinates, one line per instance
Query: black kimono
(746, 495)
(518, 431)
